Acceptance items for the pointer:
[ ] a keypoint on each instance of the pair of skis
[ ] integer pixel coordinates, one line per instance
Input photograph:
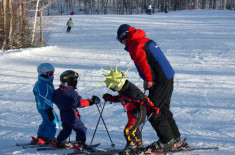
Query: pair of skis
(37, 143)
(182, 150)
(41, 146)
(33, 144)
(98, 151)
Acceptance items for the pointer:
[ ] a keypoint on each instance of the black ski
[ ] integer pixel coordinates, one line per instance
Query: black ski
(87, 151)
(116, 151)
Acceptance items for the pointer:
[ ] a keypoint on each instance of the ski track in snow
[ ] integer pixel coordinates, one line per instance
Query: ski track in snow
(200, 45)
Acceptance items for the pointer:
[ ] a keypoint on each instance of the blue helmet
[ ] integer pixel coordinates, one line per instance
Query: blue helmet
(46, 70)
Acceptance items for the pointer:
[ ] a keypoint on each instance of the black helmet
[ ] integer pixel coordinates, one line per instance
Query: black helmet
(69, 78)
(122, 32)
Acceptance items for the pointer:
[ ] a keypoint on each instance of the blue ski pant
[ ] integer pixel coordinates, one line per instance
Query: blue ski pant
(47, 128)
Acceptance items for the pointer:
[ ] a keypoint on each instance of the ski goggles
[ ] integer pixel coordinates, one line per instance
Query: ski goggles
(50, 73)
(122, 36)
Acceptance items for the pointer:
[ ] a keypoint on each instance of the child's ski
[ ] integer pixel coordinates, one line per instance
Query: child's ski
(33, 142)
(53, 147)
(86, 150)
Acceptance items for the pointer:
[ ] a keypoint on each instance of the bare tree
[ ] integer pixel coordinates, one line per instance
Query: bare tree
(35, 22)
(4, 6)
(10, 24)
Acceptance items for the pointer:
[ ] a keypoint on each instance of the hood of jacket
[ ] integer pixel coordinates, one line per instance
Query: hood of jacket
(134, 34)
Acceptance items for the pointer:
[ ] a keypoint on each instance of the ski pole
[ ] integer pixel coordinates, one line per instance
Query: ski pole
(112, 144)
(146, 121)
(97, 123)
(147, 117)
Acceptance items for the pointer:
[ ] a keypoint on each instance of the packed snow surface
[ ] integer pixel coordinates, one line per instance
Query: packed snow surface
(200, 45)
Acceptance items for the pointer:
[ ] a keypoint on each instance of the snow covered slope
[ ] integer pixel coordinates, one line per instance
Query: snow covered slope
(200, 45)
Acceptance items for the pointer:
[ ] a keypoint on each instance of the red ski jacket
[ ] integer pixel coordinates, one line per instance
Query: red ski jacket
(150, 61)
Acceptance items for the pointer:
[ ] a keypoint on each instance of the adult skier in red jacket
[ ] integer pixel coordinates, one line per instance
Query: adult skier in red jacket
(158, 76)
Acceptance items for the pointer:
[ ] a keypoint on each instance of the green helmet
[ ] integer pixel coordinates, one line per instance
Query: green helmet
(115, 79)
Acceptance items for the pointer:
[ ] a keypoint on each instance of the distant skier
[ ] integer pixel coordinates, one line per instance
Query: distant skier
(43, 90)
(149, 9)
(191, 6)
(68, 100)
(69, 24)
(136, 104)
(166, 8)
(153, 8)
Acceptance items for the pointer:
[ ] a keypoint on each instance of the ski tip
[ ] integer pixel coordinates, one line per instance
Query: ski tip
(41, 141)
(53, 144)
(95, 145)
(34, 139)
(75, 146)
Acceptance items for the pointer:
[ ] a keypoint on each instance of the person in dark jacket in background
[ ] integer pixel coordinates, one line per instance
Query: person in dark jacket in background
(68, 100)
(165, 8)
(158, 76)
(136, 104)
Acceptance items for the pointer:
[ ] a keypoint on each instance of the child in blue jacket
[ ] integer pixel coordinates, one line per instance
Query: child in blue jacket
(43, 90)
(68, 100)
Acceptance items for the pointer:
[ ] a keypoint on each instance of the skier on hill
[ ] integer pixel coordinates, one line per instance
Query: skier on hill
(149, 9)
(166, 8)
(191, 6)
(136, 104)
(68, 100)
(69, 24)
(153, 7)
(43, 90)
(158, 76)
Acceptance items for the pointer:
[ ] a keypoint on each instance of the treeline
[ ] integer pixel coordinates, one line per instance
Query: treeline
(20, 26)
(21, 21)
(14, 26)
(134, 6)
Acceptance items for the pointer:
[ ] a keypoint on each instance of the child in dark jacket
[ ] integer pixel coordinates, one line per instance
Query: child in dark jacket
(136, 103)
(68, 100)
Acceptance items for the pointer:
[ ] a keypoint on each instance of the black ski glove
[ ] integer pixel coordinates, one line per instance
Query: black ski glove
(94, 100)
(108, 97)
(50, 114)
(111, 98)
